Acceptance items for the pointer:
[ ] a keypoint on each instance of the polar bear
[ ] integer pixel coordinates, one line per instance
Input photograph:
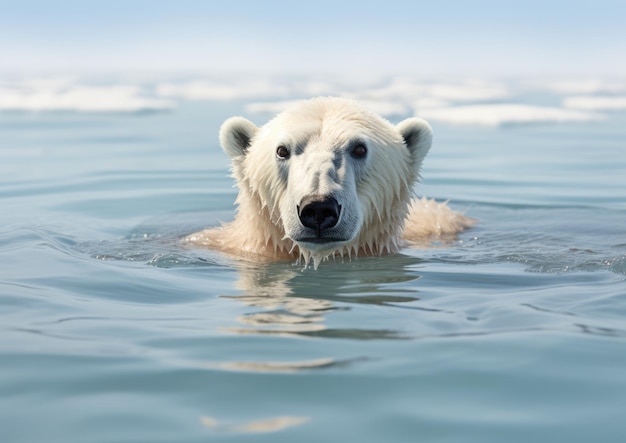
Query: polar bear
(327, 178)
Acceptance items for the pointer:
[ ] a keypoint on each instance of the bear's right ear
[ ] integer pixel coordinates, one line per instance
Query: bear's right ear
(236, 136)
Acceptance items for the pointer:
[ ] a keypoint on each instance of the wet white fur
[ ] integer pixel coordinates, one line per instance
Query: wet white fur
(378, 214)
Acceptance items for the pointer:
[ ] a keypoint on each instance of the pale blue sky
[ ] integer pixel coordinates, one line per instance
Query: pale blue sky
(365, 38)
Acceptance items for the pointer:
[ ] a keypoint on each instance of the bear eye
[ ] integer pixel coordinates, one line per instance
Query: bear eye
(282, 152)
(359, 150)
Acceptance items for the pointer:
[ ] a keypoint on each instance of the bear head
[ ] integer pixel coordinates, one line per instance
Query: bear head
(326, 177)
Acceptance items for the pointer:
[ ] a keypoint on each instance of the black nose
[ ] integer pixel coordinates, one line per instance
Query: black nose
(318, 212)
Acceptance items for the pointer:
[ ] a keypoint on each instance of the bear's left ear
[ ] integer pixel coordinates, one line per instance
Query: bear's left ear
(418, 137)
(236, 136)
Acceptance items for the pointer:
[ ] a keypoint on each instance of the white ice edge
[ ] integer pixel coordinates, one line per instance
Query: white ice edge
(51, 97)
(594, 103)
(505, 113)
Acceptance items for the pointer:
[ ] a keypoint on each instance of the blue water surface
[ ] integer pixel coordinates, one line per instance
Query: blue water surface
(112, 331)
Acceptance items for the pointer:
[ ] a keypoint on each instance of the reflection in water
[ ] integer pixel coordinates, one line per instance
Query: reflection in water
(290, 301)
(272, 424)
(288, 366)
(603, 331)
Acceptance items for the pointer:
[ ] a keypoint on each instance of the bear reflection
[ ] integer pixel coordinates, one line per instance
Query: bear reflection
(290, 300)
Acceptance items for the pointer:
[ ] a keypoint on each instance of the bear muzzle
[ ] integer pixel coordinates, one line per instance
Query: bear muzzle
(319, 214)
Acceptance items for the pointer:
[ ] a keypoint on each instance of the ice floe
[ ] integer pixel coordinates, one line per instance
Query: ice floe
(55, 95)
(245, 89)
(595, 103)
(586, 86)
(505, 113)
(222, 90)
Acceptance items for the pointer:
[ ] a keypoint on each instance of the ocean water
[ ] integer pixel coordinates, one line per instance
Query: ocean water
(112, 331)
